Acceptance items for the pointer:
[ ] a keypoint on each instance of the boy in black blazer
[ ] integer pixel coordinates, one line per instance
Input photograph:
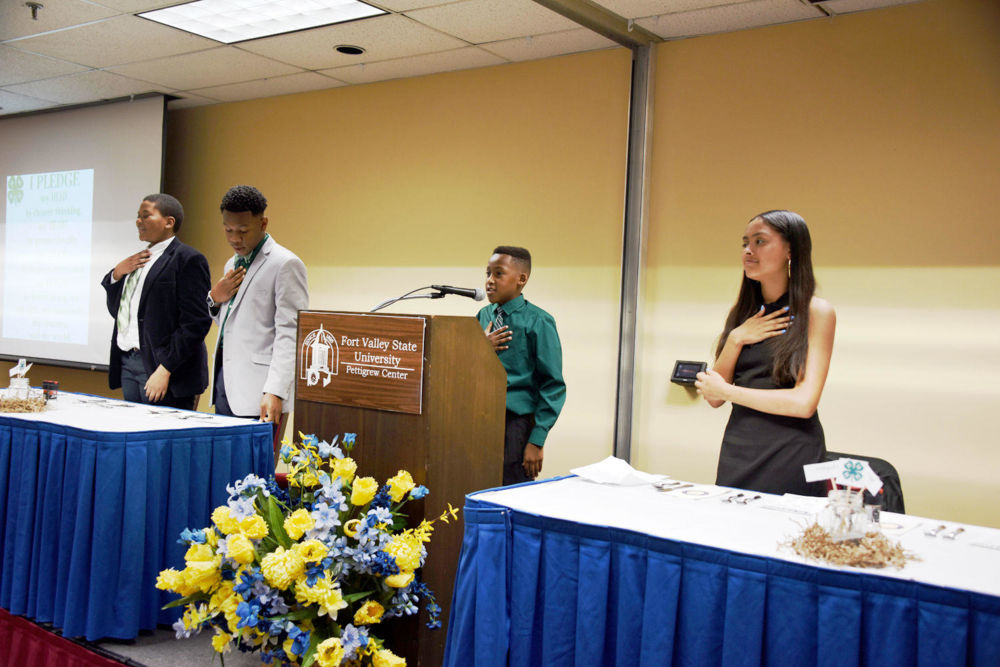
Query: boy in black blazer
(157, 297)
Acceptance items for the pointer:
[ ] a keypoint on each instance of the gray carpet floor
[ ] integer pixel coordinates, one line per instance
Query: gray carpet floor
(161, 649)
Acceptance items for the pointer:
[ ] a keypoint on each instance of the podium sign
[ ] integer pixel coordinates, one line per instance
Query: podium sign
(361, 360)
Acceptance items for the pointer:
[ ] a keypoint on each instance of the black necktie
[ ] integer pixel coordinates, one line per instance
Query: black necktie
(498, 318)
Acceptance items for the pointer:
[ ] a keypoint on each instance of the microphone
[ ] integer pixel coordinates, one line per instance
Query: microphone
(475, 294)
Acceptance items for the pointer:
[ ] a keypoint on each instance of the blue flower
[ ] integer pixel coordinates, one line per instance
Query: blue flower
(180, 631)
(241, 508)
(419, 492)
(384, 565)
(188, 536)
(247, 611)
(330, 450)
(310, 440)
(248, 486)
(382, 498)
(349, 439)
(247, 583)
(300, 640)
(352, 639)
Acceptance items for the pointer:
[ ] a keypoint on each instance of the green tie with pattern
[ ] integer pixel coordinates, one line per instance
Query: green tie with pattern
(128, 289)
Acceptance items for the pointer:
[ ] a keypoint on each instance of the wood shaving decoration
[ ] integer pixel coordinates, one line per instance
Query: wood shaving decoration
(872, 550)
(22, 404)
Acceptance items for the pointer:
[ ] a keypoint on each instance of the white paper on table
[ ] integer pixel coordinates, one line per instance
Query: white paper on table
(613, 470)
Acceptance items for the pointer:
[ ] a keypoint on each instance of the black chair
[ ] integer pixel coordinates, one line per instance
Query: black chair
(892, 489)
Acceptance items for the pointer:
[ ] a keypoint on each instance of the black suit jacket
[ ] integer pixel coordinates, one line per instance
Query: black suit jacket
(173, 320)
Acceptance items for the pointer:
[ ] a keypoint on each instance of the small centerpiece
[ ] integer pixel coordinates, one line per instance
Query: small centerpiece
(19, 397)
(306, 576)
(844, 532)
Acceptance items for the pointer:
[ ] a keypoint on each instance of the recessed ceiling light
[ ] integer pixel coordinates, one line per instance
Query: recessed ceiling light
(231, 21)
(349, 49)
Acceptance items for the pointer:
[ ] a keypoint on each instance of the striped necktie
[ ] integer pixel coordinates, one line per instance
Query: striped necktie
(125, 306)
(498, 318)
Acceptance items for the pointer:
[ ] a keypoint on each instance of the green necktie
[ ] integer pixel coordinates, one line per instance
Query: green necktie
(125, 306)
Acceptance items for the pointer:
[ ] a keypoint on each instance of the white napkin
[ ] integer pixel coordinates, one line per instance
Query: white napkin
(615, 471)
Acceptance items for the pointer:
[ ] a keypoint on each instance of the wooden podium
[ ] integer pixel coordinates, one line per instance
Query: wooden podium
(424, 393)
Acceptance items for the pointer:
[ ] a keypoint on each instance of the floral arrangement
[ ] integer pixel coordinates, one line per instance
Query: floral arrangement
(305, 576)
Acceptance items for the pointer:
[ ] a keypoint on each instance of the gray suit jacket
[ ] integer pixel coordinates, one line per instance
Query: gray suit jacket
(258, 335)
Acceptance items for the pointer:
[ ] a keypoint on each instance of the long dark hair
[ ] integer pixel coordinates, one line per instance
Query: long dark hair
(789, 349)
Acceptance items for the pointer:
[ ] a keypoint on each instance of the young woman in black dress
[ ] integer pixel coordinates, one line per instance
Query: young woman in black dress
(771, 362)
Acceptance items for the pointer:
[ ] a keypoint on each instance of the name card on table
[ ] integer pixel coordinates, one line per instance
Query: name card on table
(361, 360)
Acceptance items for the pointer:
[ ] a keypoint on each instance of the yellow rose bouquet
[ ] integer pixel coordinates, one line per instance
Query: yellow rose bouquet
(305, 576)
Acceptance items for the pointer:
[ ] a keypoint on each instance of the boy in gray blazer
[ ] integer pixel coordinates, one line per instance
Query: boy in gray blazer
(255, 304)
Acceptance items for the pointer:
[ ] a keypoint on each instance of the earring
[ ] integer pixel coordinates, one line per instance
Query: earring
(789, 269)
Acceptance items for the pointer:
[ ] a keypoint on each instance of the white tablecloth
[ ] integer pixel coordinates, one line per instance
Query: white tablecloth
(969, 562)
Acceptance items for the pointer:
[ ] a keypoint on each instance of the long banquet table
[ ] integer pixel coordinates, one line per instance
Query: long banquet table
(93, 495)
(570, 572)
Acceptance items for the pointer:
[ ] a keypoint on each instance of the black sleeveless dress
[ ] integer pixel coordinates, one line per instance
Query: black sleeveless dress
(765, 452)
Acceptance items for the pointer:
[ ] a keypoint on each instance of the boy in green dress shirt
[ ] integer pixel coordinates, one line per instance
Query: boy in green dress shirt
(525, 338)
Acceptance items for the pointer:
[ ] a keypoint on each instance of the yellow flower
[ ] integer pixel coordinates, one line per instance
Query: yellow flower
(344, 468)
(386, 658)
(364, 490)
(282, 567)
(401, 580)
(172, 580)
(370, 612)
(311, 551)
(226, 523)
(400, 485)
(194, 616)
(223, 598)
(324, 592)
(240, 549)
(406, 553)
(254, 527)
(220, 642)
(297, 523)
(198, 552)
(211, 537)
(330, 652)
(351, 527)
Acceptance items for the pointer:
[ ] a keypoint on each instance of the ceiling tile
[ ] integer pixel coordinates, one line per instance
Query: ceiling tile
(136, 6)
(848, 6)
(115, 41)
(14, 103)
(215, 67)
(403, 5)
(91, 86)
(18, 66)
(16, 21)
(480, 21)
(430, 63)
(279, 85)
(382, 37)
(633, 9)
(729, 17)
(551, 44)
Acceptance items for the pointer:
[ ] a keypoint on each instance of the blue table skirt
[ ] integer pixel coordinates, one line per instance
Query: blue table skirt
(531, 590)
(88, 519)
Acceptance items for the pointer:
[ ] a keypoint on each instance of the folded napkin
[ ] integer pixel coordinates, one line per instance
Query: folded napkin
(615, 471)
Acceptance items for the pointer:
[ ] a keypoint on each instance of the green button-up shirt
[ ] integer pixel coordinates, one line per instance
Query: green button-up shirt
(533, 361)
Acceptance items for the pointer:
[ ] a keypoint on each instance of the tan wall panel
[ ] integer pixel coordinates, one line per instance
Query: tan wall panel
(386, 187)
(882, 129)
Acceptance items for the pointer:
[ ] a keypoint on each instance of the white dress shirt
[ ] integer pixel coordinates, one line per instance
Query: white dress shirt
(128, 339)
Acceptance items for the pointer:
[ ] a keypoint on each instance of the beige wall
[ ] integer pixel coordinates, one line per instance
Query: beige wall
(390, 186)
(883, 130)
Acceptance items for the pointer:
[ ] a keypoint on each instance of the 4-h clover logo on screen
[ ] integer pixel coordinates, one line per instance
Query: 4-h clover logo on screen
(15, 189)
